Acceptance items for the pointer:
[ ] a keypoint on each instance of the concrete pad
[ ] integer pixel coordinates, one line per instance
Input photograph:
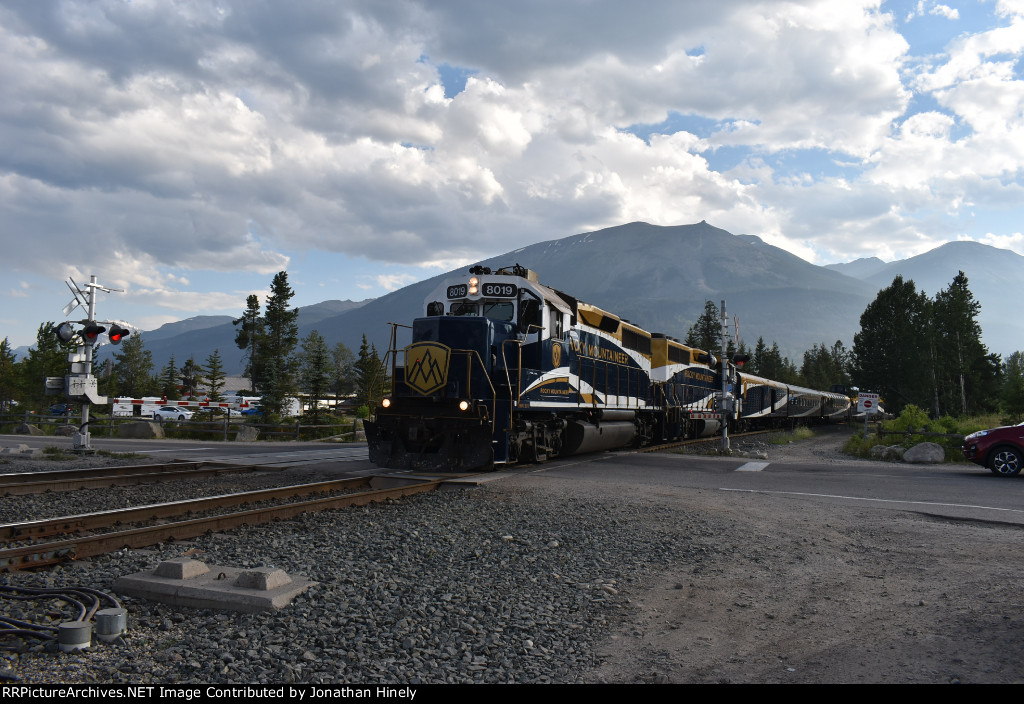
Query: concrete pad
(186, 582)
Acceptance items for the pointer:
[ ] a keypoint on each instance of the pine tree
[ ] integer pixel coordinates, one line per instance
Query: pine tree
(191, 377)
(706, 333)
(133, 369)
(825, 367)
(281, 331)
(965, 376)
(316, 371)
(370, 377)
(49, 357)
(169, 380)
(215, 376)
(344, 379)
(8, 377)
(250, 338)
(758, 359)
(1013, 387)
(891, 353)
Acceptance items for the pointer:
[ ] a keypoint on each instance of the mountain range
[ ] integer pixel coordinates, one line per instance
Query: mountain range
(659, 278)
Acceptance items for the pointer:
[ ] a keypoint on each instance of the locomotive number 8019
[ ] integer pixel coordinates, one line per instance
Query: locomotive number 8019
(504, 369)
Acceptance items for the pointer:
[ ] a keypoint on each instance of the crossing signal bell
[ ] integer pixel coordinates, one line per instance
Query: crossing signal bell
(65, 332)
(117, 333)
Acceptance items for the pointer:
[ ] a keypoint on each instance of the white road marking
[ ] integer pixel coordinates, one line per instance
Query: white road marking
(752, 466)
(884, 501)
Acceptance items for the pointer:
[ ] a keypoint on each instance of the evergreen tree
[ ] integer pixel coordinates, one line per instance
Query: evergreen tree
(281, 331)
(133, 369)
(49, 357)
(169, 381)
(344, 378)
(966, 379)
(370, 377)
(250, 338)
(891, 353)
(706, 333)
(824, 367)
(191, 377)
(1013, 387)
(758, 358)
(215, 376)
(316, 371)
(8, 377)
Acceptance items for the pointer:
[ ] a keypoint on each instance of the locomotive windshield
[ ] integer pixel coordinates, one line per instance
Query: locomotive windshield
(496, 310)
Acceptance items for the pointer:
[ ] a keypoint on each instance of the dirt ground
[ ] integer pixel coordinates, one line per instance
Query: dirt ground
(807, 592)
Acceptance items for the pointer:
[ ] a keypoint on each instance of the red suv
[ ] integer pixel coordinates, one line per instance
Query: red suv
(999, 449)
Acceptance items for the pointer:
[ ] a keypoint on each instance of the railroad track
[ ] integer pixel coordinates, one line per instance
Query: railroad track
(21, 483)
(717, 439)
(85, 544)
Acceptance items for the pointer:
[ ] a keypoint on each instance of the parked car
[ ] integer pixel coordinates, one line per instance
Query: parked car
(59, 409)
(999, 449)
(170, 413)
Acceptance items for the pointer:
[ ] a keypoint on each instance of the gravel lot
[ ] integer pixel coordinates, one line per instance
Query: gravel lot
(540, 579)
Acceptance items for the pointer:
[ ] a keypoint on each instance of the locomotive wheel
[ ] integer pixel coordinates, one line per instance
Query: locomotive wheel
(1006, 461)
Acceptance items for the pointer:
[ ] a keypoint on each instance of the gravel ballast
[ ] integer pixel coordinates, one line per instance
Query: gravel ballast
(499, 584)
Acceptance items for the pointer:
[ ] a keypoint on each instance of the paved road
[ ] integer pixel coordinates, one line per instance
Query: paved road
(954, 491)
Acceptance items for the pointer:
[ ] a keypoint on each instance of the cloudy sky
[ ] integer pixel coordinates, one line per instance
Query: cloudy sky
(187, 150)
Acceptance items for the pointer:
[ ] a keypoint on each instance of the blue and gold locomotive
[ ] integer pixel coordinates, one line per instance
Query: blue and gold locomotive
(504, 369)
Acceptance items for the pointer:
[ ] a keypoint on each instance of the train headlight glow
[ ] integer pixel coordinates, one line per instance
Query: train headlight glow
(463, 405)
(386, 403)
(473, 284)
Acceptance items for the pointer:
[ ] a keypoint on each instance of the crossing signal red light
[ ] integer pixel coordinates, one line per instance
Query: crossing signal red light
(740, 359)
(91, 332)
(117, 333)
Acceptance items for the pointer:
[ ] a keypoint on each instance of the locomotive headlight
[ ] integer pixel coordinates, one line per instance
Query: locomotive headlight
(386, 403)
(473, 285)
(463, 405)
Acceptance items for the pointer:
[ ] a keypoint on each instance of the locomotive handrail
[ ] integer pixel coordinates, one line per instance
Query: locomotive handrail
(513, 401)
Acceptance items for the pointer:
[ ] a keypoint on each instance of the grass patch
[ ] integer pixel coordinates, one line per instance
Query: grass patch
(800, 433)
(120, 455)
(57, 454)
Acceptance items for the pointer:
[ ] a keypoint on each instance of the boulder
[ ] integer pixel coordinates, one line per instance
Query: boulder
(925, 453)
(26, 429)
(247, 433)
(140, 431)
(894, 453)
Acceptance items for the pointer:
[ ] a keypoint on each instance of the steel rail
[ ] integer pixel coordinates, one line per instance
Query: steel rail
(42, 528)
(710, 438)
(42, 483)
(24, 477)
(91, 546)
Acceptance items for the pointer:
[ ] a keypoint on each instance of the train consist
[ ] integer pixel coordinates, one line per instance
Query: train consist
(504, 369)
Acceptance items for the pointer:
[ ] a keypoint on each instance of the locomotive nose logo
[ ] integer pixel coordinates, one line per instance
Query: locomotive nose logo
(426, 366)
(556, 355)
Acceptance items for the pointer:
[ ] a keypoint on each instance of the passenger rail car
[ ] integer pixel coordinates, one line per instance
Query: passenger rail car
(503, 369)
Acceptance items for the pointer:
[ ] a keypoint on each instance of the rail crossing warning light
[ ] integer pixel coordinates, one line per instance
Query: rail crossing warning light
(91, 332)
(740, 359)
(117, 333)
(65, 332)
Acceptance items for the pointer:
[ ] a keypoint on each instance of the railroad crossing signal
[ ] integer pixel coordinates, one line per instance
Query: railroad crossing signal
(91, 332)
(117, 333)
(80, 383)
(65, 332)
